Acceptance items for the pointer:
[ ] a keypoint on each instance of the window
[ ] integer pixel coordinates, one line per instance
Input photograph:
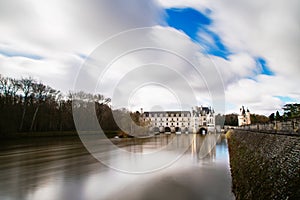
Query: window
(167, 123)
(177, 123)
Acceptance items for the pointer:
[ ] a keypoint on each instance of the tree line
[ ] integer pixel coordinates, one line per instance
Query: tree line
(290, 111)
(232, 119)
(27, 105)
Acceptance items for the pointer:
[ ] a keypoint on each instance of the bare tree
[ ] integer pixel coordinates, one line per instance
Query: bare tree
(15, 87)
(26, 85)
(41, 93)
(5, 87)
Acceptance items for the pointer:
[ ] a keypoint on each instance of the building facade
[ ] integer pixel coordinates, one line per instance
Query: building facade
(198, 120)
(244, 117)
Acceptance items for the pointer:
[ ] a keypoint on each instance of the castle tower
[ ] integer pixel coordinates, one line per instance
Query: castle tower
(244, 117)
(248, 119)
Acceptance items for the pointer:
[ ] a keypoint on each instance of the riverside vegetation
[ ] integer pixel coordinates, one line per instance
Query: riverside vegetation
(31, 108)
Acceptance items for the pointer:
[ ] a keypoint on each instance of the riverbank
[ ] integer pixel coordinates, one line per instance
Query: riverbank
(109, 134)
(264, 166)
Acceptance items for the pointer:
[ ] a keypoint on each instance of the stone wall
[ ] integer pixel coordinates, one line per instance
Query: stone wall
(264, 166)
(289, 127)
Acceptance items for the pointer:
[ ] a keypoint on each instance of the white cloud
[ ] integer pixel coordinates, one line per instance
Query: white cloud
(262, 95)
(71, 26)
(199, 5)
(236, 67)
(153, 58)
(60, 31)
(267, 29)
(59, 73)
(262, 28)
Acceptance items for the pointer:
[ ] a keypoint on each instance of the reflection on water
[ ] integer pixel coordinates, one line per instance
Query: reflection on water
(61, 168)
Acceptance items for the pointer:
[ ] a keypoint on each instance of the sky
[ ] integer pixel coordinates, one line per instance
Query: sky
(162, 54)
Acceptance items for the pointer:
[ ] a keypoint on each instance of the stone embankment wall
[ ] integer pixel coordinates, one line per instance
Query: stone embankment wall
(264, 166)
(289, 127)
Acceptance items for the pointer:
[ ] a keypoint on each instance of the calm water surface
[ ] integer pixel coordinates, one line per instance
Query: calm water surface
(62, 169)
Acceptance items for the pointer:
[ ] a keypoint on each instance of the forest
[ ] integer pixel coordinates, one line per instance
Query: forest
(30, 106)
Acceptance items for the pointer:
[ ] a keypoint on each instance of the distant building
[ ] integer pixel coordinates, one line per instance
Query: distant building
(244, 117)
(199, 120)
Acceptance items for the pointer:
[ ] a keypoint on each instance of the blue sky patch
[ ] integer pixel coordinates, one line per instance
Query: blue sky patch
(193, 22)
(187, 20)
(286, 99)
(19, 54)
(216, 48)
(262, 64)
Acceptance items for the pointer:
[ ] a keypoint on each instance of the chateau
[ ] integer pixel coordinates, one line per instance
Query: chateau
(244, 117)
(198, 120)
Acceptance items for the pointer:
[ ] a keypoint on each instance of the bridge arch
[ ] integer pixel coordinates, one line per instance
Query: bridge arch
(186, 130)
(155, 129)
(168, 129)
(202, 131)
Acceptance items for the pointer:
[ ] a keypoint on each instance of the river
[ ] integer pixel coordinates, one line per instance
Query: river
(63, 169)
